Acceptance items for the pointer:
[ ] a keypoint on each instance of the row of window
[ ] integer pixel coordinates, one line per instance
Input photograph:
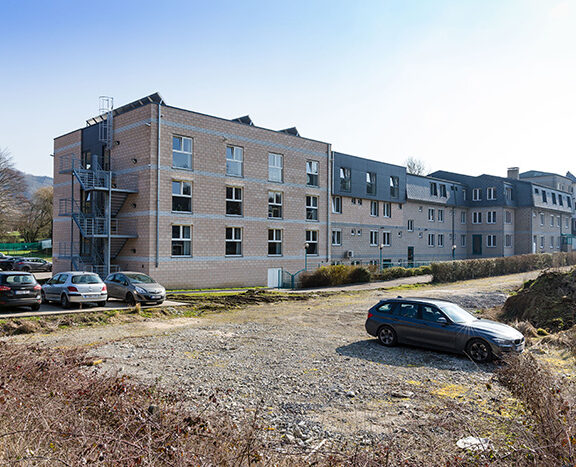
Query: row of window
(555, 242)
(374, 206)
(490, 193)
(370, 183)
(182, 241)
(374, 237)
(182, 158)
(557, 198)
(558, 220)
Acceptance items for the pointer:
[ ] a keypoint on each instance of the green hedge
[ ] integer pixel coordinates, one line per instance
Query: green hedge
(334, 275)
(398, 272)
(452, 271)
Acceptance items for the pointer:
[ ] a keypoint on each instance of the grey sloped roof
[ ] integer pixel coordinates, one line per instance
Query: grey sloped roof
(418, 189)
(155, 98)
(570, 176)
(536, 173)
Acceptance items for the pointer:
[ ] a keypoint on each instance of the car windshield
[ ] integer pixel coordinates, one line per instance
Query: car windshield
(18, 279)
(455, 313)
(86, 279)
(140, 279)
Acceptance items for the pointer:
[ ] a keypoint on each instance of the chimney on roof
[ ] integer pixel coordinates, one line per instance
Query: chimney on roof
(514, 173)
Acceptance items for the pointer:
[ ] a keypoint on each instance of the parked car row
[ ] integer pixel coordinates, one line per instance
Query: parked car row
(75, 287)
(15, 263)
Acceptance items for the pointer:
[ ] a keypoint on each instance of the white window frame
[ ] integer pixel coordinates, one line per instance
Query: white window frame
(374, 208)
(180, 194)
(373, 238)
(386, 236)
(491, 241)
(345, 179)
(182, 152)
(312, 208)
(430, 214)
(337, 204)
(463, 240)
(394, 186)
(312, 173)
(551, 220)
(234, 158)
(235, 199)
(410, 226)
(440, 215)
(542, 218)
(491, 217)
(477, 194)
(275, 167)
(491, 193)
(371, 181)
(440, 240)
(312, 239)
(508, 217)
(182, 228)
(477, 217)
(274, 204)
(235, 238)
(275, 240)
(508, 241)
(386, 209)
(336, 237)
(552, 242)
(463, 217)
(431, 240)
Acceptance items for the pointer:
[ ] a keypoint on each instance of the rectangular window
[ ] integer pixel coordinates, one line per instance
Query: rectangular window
(551, 220)
(491, 217)
(491, 241)
(311, 208)
(275, 205)
(410, 225)
(491, 193)
(312, 173)
(476, 194)
(509, 193)
(370, 183)
(440, 215)
(464, 194)
(441, 240)
(312, 241)
(544, 197)
(345, 179)
(181, 240)
(542, 242)
(374, 208)
(394, 187)
(507, 217)
(569, 201)
(567, 222)
(551, 243)
(233, 201)
(387, 209)
(463, 217)
(336, 237)
(463, 241)
(431, 215)
(181, 196)
(234, 160)
(443, 193)
(181, 152)
(541, 218)
(373, 238)
(433, 189)
(431, 240)
(553, 198)
(233, 241)
(508, 241)
(275, 167)
(476, 217)
(386, 238)
(274, 242)
(561, 200)
(337, 204)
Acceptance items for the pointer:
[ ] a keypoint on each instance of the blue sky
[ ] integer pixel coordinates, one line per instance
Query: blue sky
(469, 86)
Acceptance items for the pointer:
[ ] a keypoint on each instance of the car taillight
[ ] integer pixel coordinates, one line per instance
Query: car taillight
(71, 288)
(20, 262)
(37, 287)
(104, 289)
(370, 315)
(3, 288)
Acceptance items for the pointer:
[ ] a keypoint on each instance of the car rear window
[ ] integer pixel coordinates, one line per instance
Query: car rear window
(86, 279)
(19, 279)
(386, 308)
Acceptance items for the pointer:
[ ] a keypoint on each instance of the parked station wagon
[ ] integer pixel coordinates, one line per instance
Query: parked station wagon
(441, 325)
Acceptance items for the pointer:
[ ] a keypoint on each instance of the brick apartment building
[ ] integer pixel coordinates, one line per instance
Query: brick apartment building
(196, 200)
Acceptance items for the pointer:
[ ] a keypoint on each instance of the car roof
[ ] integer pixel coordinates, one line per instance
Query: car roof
(15, 273)
(434, 301)
(78, 273)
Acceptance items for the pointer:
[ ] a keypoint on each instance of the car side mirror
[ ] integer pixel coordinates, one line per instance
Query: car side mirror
(442, 320)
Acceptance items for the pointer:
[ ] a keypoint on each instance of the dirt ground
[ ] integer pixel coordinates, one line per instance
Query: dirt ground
(307, 367)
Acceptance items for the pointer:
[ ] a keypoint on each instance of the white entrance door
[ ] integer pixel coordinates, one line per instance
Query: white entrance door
(274, 277)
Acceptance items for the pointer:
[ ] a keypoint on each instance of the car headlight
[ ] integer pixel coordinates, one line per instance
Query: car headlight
(140, 290)
(501, 341)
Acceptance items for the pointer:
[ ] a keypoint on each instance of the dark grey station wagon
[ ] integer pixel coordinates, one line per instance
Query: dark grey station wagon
(441, 325)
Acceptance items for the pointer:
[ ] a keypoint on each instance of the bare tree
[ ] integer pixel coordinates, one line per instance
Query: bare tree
(36, 219)
(12, 189)
(415, 166)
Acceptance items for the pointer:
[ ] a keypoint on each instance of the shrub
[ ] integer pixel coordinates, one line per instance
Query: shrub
(452, 271)
(334, 275)
(398, 272)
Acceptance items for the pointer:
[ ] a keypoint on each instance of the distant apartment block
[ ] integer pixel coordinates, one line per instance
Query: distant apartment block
(198, 201)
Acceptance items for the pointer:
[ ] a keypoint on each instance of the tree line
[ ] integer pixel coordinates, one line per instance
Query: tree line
(21, 217)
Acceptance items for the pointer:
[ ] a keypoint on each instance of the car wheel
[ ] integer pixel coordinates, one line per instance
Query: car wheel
(102, 304)
(35, 307)
(64, 301)
(160, 302)
(479, 351)
(26, 269)
(387, 336)
(44, 299)
(130, 299)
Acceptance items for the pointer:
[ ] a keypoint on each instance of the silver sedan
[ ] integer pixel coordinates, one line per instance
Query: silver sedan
(133, 287)
(75, 287)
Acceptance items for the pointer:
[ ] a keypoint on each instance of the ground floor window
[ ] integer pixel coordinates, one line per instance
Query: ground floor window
(385, 238)
(441, 240)
(463, 240)
(181, 240)
(491, 241)
(233, 241)
(337, 237)
(373, 238)
(431, 240)
(508, 241)
(274, 242)
(312, 242)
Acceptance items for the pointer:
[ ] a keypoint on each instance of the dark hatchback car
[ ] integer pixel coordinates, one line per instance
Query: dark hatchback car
(31, 264)
(19, 289)
(441, 325)
(6, 262)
